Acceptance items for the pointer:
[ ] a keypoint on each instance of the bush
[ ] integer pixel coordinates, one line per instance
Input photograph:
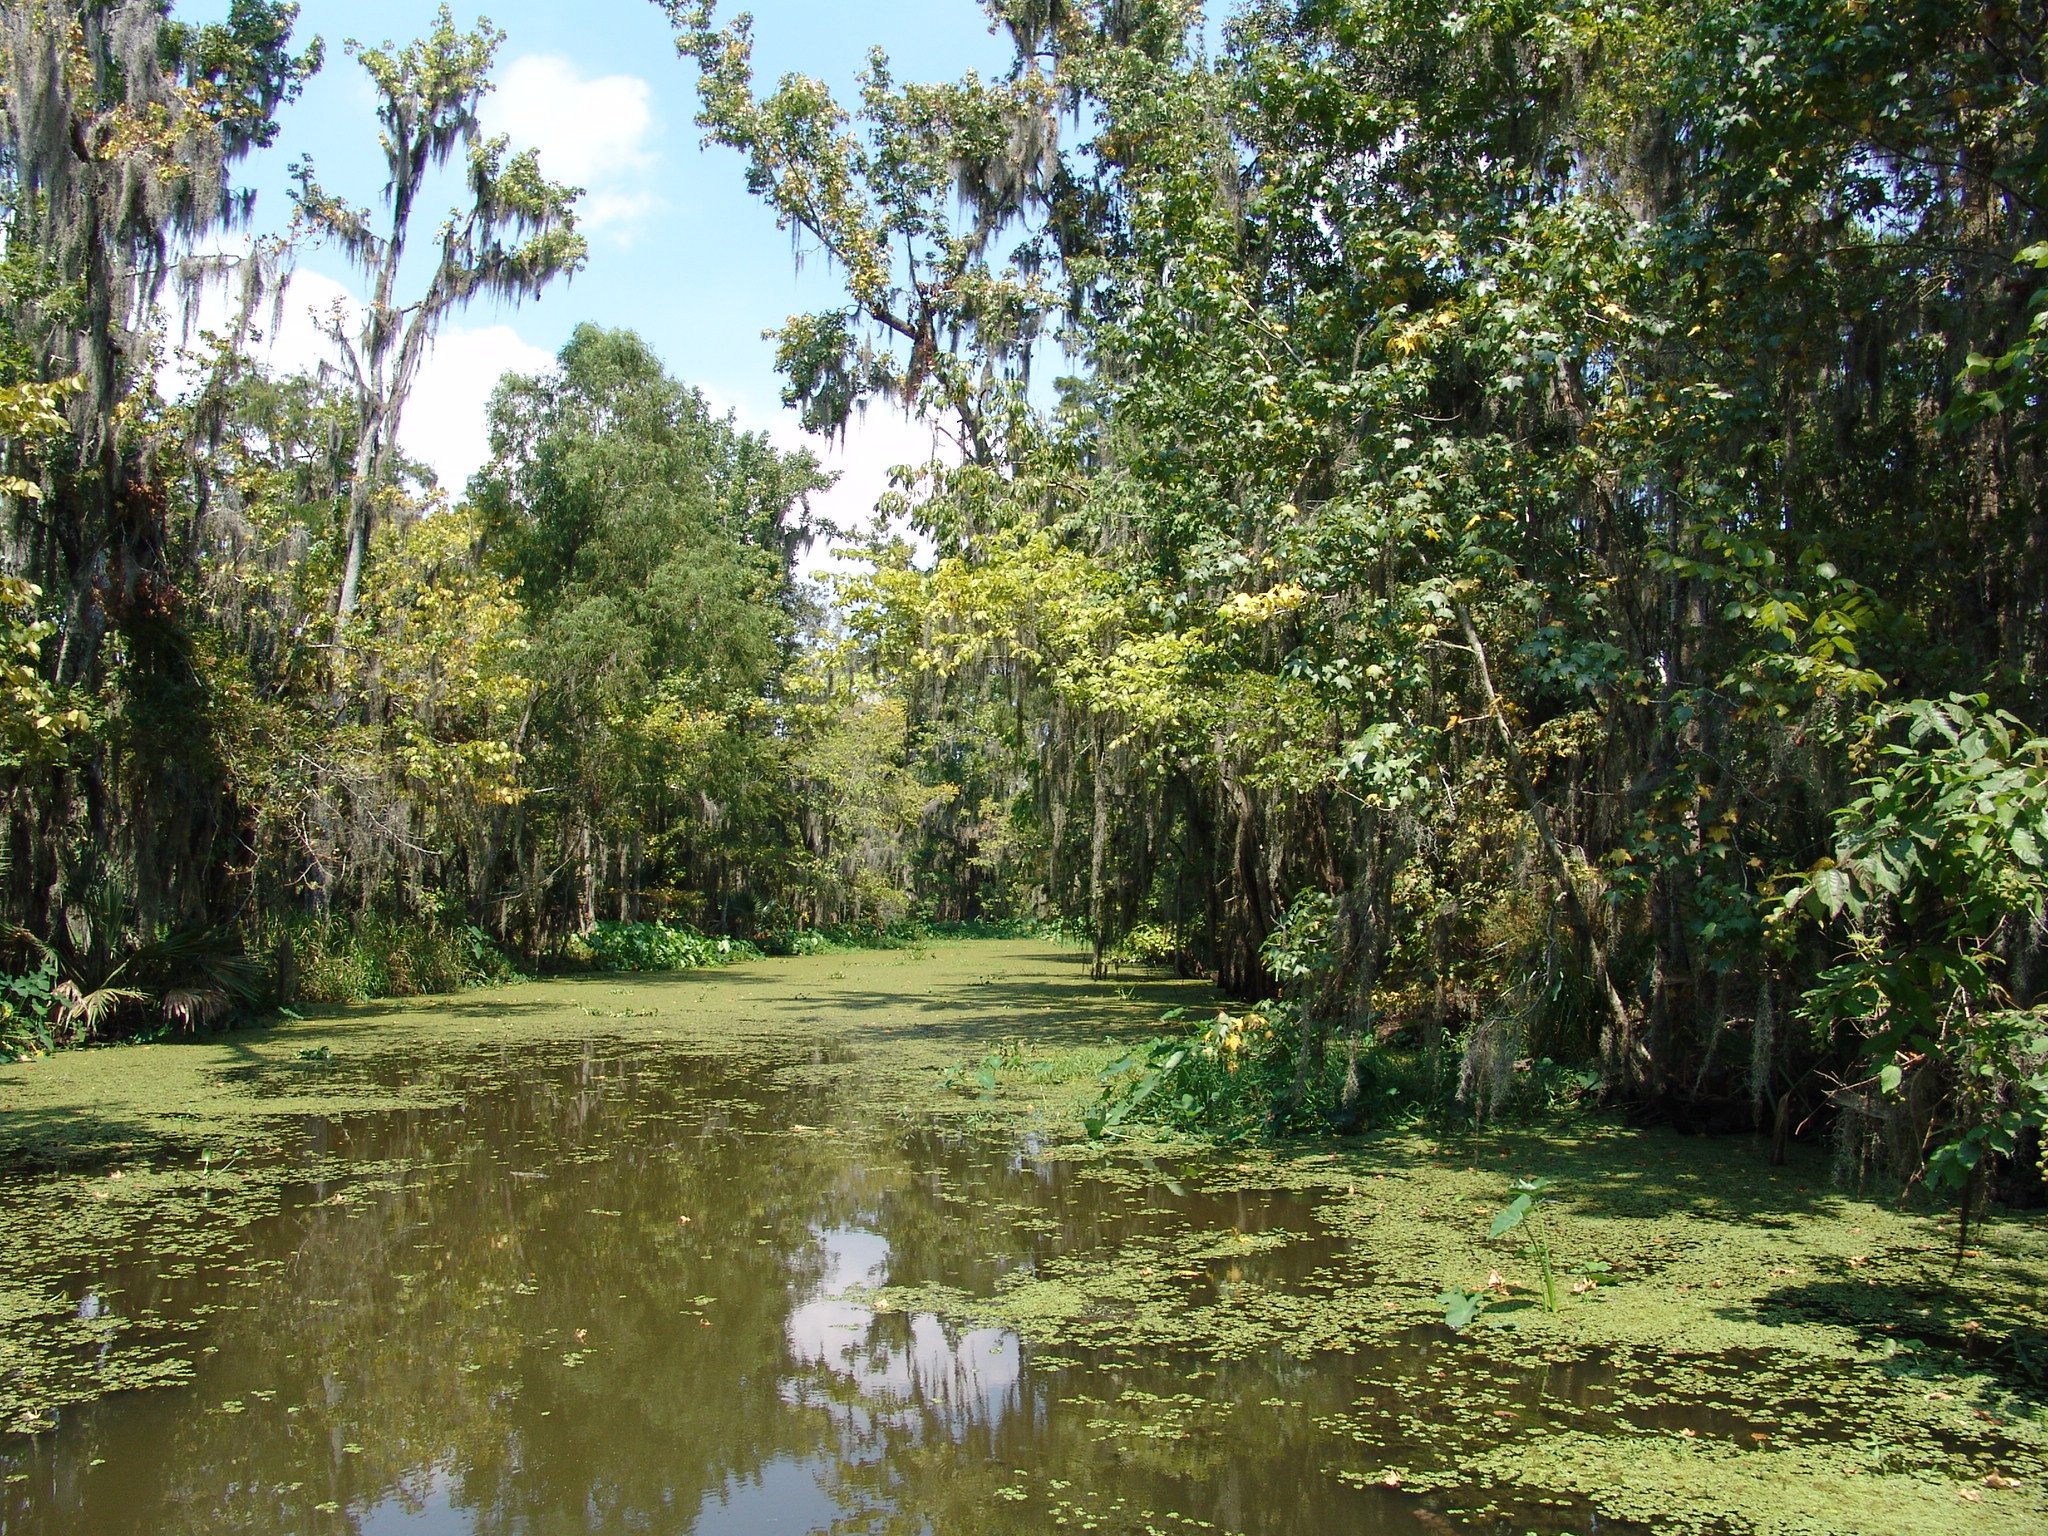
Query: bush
(657, 947)
(909, 932)
(356, 960)
(1233, 1077)
(905, 933)
(1145, 944)
(1937, 867)
(1065, 930)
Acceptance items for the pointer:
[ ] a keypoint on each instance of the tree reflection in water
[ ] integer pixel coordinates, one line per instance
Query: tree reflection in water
(631, 1293)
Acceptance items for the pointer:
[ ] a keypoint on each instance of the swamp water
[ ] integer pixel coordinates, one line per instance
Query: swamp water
(679, 1284)
(623, 1293)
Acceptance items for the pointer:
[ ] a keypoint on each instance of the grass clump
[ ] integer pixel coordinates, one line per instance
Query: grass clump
(352, 961)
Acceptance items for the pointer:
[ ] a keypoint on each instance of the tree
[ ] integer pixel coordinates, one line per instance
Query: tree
(118, 130)
(514, 236)
(935, 321)
(653, 547)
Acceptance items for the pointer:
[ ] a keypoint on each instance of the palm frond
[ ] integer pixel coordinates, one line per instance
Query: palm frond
(200, 959)
(194, 1007)
(82, 1013)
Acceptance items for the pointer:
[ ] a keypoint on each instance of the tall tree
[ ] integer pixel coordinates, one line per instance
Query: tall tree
(654, 546)
(908, 199)
(514, 235)
(120, 126)
(118, 130)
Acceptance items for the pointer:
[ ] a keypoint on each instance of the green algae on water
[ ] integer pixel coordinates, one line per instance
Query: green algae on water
(1764, 1354)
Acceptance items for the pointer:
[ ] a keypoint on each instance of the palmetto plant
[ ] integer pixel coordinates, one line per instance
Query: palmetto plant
(42, 1007)
(190, 979)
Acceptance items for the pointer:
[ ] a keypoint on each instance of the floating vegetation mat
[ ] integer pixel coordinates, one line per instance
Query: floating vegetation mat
(817, 1245)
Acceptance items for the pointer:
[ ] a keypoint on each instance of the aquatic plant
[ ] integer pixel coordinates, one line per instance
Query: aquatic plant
(1524, 1214)
(660, 947)
(982, 1076)
(1524, 1211)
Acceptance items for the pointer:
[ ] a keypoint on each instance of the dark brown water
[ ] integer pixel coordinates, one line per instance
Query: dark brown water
(626, 1293)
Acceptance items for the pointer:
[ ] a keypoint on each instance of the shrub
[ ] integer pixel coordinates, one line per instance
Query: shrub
(1145, 944)
(356, 960)
(659, 947)
(909, 932)
(905, 933)
(1233, 1076)
(28, 1010)
(1939, 869)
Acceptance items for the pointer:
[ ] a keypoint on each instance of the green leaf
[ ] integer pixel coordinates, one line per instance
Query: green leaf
(1460, 1308)
(1889, 1078)
(1512, 1216)
(1831, 889)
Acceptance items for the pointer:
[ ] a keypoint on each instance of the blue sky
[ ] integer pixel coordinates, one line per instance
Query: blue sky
(679, 251)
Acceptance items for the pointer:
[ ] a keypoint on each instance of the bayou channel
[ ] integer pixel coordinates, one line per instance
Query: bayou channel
(820, 1244)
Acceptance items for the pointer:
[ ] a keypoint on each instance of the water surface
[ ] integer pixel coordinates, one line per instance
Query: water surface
(623, 1289)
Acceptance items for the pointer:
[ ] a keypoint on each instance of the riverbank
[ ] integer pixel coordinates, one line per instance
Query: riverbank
(1785, 1358)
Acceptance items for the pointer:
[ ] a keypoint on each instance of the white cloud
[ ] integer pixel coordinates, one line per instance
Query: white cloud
(445, 420)
(594, 133)
(873, 445)
(614, 210)
(300, 343)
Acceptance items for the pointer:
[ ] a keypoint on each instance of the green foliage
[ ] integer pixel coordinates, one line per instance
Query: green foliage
(1461, 1308)
(1940, 869)
(514, 235)
(2015, 382)
(185, 979)
(242, 69)
(1510, 462)
(1233, 1076)
(1221, 1076)
(911, 932)
(658, 947)
(1500, 473)
(906, 196)
(1060, 930)
(1144, 944)
(40, 722)
(29, 1005)
(981, 1078)
(1525, 1214)
(357, 959)
(903, 933)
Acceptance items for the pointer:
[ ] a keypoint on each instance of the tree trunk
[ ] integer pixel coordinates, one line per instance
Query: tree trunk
(1098, 839)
